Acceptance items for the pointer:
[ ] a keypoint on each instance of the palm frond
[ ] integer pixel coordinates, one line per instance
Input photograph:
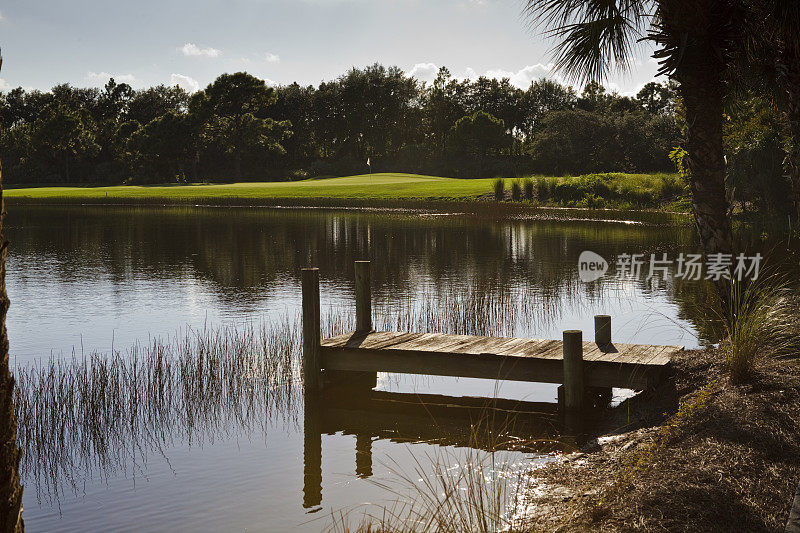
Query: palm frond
(595, 37)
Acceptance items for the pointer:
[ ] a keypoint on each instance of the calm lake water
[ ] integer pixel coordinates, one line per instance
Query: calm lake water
(97, 279)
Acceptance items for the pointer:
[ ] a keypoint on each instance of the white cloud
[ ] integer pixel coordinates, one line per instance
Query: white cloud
(2, 18)
(265, 58)
(523, 77)
(191, 49)
(4, 86)
(184, 82)
(101, 78)
(424, 72)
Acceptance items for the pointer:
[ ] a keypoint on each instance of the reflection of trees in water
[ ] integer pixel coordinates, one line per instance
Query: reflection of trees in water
(247, 253)
(241, 248)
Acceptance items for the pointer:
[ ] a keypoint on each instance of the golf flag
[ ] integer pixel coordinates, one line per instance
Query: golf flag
(368, 162)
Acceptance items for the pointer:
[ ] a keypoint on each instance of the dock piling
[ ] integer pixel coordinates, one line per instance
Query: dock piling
(602, 330)
(573, 370)
(311, 329)
(358, 382)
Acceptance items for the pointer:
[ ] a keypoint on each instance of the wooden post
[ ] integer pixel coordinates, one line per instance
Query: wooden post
(602, 330)
(311, 329)
(573, 370)
(312, 437)
(358, 382)
(363, 297)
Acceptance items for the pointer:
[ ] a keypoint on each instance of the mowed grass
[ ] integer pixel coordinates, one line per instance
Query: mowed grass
(629, 192)
(379, 186)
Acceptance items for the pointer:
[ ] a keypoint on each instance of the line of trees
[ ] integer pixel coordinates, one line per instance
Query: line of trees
(239, 128)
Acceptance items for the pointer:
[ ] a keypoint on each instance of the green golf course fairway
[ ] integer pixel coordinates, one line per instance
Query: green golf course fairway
(379, 186)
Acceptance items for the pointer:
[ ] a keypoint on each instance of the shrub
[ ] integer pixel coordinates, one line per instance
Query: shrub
(297, 175)
(568, 191)
(545, 187)
(499, 189)
(516, 191)
(597, 184)
(671, 186)
(591, 201)
(527, 188)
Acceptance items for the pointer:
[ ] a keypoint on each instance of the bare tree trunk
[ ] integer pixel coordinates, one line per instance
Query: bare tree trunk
(10, 488)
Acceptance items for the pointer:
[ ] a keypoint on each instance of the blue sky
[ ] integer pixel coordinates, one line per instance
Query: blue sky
(146, 42)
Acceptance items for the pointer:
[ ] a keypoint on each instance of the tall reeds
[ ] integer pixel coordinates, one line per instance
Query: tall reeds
(516, 190)
(92, 415)
(760, 323)
(447, 491)
(499, 187)
(528, 189)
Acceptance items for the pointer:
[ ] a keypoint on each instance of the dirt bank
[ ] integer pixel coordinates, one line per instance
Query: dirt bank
(699, 455)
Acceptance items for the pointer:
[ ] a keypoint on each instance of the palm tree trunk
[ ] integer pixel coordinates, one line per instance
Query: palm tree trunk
(10, 488)
(702, 94)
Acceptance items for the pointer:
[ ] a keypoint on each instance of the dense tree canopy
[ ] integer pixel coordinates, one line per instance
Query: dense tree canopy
(239, 128)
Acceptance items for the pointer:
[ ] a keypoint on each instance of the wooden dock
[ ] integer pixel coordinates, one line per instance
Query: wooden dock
(633, 366)
(339, 373)
(357, 356)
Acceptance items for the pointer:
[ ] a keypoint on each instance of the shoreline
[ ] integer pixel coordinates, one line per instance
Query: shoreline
(722, 459)
(425, 206)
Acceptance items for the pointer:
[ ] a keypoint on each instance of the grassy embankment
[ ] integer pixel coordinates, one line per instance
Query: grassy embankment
(621, 190)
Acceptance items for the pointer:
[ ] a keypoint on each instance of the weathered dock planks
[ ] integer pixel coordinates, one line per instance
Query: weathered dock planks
(632, 366)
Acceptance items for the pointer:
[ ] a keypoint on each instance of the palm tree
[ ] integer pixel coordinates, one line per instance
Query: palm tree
(694, 42)
(10, 488)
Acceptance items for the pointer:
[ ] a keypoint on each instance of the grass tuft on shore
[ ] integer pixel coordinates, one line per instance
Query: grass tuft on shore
(761, 323)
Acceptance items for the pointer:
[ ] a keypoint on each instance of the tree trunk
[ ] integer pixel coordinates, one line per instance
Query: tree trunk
(702, 93)
(789, 74)
(10, 488)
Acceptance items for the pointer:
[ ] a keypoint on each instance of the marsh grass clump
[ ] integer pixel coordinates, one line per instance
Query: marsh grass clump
(528, 189)
(759, 324)
(672, 186)
(516, 190)
(544, 187)
(499, 187)
(94, 415)
(470, 311)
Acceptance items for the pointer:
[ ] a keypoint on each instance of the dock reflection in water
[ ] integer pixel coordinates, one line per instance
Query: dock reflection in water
(488, 424)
